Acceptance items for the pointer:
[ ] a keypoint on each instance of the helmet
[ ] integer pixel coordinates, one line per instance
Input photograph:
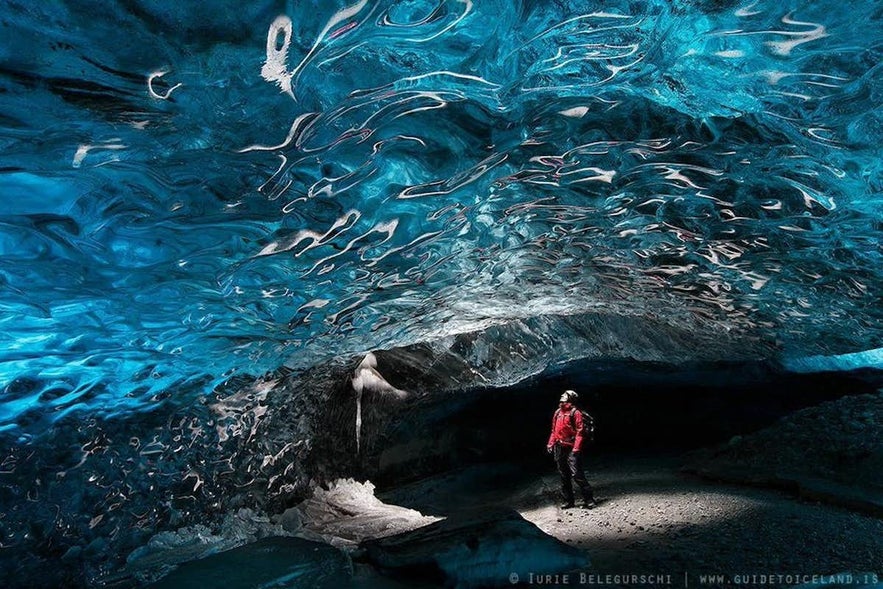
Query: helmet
(568, 397)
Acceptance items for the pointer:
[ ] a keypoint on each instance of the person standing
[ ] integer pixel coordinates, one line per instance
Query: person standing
(566, 444)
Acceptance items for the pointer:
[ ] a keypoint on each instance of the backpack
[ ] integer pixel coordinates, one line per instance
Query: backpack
(588, 425)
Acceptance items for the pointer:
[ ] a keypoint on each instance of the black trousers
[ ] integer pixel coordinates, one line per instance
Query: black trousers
(570, 467)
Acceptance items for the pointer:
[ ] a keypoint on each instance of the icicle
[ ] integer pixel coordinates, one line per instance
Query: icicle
(358, 417)
(367, 377)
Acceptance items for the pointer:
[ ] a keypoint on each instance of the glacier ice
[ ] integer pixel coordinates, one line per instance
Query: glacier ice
(489, 549)
(348, 512)
(856, 360)
(199, 199)
(194, 193)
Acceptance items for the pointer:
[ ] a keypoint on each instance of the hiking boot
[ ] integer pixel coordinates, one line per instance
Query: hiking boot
(589, 504)
(568, 505)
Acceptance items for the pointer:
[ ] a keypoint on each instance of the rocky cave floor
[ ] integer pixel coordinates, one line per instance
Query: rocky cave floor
(653, 519)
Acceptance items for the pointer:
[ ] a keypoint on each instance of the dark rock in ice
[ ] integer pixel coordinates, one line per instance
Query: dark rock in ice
(843, 439)
(271, 562)
(474, 550)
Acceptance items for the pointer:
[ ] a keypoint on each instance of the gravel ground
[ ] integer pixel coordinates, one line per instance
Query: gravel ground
(653, 520)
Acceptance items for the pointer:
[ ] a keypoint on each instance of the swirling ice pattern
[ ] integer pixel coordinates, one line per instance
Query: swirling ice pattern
(193, 192)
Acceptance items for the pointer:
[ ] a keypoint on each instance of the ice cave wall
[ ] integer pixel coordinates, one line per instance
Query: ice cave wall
(197, 192)
(197, 196)
(92, 490)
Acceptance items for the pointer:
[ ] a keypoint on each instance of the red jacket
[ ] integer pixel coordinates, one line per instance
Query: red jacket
(567, 430)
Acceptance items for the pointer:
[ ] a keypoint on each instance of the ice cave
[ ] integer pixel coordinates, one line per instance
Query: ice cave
(293, 290)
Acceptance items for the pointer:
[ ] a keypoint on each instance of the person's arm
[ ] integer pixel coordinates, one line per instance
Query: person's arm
(552, 435)
(578, 424)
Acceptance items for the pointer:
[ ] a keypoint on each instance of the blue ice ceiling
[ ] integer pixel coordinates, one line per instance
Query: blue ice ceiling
(197, 190)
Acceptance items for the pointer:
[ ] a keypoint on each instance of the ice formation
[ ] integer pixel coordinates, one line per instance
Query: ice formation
(200, 198)
(366, 378)
(194, 192)
(348, 511)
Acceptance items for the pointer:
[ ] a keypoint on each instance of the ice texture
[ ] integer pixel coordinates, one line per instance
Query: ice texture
(854, 361)
(488, 548)
(348, 512)
(196, 191)
(197, 194)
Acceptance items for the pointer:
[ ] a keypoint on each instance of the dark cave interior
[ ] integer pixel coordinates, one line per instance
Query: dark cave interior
(639, 408)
